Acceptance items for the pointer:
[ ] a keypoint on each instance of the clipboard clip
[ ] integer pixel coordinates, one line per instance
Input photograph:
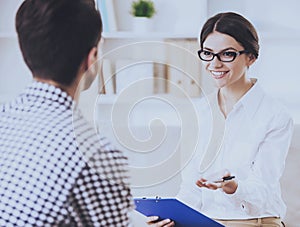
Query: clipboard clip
(157, 198)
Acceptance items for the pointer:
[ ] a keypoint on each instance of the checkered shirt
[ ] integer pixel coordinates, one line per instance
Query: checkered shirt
(54, 169)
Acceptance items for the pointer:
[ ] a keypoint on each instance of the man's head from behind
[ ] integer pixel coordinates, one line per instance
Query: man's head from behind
(56, 36)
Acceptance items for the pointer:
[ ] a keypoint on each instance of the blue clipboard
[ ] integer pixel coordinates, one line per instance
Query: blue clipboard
(180, 213)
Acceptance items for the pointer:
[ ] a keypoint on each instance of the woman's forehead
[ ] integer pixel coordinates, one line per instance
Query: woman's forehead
(217, 41)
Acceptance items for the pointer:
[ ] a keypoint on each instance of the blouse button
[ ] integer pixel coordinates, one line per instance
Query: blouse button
(243, 206)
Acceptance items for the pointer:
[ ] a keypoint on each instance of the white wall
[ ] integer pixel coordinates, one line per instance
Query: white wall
(14, 74)
(172, 16)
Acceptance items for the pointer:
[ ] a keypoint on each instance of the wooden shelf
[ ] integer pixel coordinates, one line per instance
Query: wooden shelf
(264, 34)
(148, 35)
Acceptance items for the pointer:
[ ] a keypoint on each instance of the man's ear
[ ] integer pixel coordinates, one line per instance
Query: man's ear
(92, 57)
(90, 69)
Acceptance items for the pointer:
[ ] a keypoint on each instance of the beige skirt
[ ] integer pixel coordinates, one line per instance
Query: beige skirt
(256, 222)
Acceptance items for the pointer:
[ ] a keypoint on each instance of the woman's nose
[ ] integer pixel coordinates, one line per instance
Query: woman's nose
(216, 62)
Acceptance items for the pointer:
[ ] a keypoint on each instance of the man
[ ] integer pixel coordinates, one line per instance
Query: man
(54, 169)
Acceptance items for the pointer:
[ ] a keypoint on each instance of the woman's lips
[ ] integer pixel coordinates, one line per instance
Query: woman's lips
(218, 74)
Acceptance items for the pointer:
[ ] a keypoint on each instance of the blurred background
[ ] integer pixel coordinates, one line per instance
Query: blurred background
(176, 22)
(163, 52)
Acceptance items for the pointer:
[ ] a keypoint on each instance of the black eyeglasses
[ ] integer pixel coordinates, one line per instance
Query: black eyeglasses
(223, 56)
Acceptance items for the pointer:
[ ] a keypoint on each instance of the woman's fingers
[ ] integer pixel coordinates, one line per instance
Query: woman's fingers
(201, 182)
(204, 183)
(214, 186)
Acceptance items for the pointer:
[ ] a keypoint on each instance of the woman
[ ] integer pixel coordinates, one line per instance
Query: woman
(255, 134)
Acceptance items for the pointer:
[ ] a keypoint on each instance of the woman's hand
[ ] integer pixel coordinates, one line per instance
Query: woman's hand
(229, 187)
(152, 221)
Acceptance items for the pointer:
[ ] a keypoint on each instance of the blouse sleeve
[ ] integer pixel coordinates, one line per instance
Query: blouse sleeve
(263, 183)
(189, 193)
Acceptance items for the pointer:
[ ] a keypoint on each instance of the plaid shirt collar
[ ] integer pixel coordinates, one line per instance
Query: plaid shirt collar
(41, 92)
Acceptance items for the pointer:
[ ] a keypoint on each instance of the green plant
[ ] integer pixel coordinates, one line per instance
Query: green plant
(143, 8)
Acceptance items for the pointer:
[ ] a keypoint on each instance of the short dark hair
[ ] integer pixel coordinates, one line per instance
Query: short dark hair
(235, 26)
(55, 36)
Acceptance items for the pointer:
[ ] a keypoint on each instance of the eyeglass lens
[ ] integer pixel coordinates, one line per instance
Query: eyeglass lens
(225, 56)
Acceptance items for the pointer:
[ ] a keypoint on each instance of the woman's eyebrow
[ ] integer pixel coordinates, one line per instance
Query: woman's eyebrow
(228, 48)
(206, 48)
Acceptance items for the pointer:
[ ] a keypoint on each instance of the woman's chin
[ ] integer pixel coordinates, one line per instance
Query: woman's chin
(219, 84)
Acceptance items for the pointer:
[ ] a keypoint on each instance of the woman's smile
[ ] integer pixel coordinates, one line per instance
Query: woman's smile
(218, 74)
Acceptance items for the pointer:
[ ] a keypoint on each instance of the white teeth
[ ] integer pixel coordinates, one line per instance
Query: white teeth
(218, 73)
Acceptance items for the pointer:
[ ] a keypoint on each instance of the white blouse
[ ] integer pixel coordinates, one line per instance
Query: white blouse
(254, 146)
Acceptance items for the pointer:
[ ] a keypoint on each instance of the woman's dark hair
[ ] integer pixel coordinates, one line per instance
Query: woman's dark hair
(55, 36)
(235, 26)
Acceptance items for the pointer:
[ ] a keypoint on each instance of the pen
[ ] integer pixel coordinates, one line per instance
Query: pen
(225, 179)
